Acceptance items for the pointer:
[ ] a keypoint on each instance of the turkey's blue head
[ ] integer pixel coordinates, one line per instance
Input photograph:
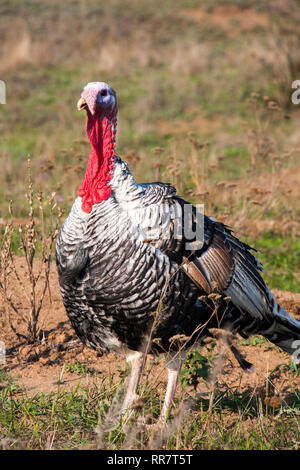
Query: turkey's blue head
(99, 99)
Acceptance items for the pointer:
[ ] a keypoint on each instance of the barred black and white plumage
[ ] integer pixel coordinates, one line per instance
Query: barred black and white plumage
(126, 275)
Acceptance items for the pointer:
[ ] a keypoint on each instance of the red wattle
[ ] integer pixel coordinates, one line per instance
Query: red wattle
(95, 186)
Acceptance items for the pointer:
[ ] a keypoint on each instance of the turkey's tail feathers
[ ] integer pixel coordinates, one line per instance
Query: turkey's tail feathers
(276, 325)
(226, 265)
(263, 314)
(284, 330)
(244, 364)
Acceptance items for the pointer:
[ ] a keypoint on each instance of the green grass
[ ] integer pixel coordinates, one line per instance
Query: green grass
(280, 256)
(80, 369)
(78, 419)
(257, 340)
(73, 416)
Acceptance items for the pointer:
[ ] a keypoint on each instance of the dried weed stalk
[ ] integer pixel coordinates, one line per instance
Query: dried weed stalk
(36, 241)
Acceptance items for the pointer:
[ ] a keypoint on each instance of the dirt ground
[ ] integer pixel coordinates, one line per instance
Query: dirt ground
(39, 368)
(231, 19)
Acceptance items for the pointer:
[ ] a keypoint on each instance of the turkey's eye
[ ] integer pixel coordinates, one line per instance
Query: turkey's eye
(103, 92)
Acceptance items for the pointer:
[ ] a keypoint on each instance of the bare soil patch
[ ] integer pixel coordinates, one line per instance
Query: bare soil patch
(231, 19)
(39, 368)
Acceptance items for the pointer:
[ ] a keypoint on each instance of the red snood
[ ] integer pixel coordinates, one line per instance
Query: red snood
(95, 187)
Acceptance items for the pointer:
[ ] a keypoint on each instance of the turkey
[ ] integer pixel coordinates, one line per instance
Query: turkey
(143, 271)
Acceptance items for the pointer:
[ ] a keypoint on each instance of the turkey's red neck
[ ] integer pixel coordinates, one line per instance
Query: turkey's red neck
(95, 187)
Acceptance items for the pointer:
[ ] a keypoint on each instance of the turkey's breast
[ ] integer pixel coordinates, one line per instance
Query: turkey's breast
(115, 287)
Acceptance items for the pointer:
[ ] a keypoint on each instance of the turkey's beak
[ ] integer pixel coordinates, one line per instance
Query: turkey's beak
(81, 104)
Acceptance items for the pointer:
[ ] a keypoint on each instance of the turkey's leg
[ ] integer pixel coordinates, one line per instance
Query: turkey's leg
(170, 392)
(136, 360)
(174, 362)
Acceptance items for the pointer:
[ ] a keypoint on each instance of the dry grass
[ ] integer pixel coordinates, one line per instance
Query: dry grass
(33, 240)
(204, 98)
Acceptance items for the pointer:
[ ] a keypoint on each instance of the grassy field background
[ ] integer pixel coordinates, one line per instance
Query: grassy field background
(204, 91)
(204, 95)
